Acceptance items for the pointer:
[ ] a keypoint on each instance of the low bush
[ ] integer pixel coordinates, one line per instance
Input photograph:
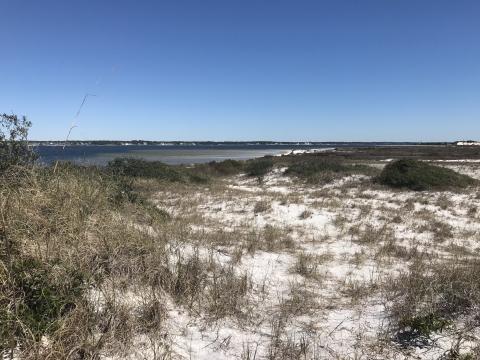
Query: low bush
(259, 167)
(419, 176)
(323, 170)
(131, 167)
(142, 168)
(226, 167)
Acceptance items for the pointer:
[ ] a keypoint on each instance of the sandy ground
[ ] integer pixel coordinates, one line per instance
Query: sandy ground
(346, 230)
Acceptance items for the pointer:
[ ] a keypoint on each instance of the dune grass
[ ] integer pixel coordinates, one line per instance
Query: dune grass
(430, 295)
(89, 263)
(68, 231)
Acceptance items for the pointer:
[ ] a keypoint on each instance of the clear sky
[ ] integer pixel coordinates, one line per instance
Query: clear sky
(371, 70)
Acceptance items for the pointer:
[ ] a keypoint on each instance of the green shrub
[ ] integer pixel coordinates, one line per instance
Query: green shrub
(142, 168)
(259, 167)
(226, 167)
(419, 176)
(197, 178)
(309, 168)
(137, 168)
(324, 170)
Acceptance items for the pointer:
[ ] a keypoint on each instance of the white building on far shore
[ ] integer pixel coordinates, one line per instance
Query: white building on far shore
(467, 143)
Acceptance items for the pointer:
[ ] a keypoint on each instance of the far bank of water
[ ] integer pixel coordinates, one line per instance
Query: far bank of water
(175, 154)
(179, 154)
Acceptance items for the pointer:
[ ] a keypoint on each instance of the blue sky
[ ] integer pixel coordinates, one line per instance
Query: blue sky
(345, 70)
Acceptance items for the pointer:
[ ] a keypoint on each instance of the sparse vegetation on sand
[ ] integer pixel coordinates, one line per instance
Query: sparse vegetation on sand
(139, 260)
(431, 295)
(418, 175)
(70, 232)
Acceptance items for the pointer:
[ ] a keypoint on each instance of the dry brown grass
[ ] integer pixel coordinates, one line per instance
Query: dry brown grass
(261, 207)
(431, 295)
(307, 265)
(133, 262)
(88, 235)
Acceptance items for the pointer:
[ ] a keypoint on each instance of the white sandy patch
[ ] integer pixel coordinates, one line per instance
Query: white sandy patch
(326, 221)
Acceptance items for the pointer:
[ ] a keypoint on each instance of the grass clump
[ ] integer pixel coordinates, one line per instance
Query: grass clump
(307, 265)
(419, 176)
(64, 233)
(431, 296)
(261, 206)
(33, 298)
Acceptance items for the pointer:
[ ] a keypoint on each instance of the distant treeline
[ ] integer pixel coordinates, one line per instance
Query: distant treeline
(210, 143)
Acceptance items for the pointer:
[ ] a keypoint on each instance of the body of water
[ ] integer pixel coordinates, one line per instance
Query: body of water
(172, 154)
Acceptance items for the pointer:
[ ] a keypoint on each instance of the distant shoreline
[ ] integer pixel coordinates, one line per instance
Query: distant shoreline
(230, 143)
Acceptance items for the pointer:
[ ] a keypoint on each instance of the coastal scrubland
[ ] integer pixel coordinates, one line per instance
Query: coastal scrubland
(313, 256)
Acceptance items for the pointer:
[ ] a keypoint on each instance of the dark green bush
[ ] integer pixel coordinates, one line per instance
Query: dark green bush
(142, 168)
(197, 178)
(226, 167)
(131, 167)
(259, 167)
(325, 170)
(309, 168)
(418, 175)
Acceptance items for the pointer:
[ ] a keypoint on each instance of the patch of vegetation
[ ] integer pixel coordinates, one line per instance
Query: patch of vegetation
(430, 296)
(417, 330)
(261, 207)
(307, 265)
(141, 168)
(131, 167)
(226, 167)
(34, 296)
(305, 214)
(259, 167)
(44, 251)
(419, 176)
(324, 170)
(73, 240)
